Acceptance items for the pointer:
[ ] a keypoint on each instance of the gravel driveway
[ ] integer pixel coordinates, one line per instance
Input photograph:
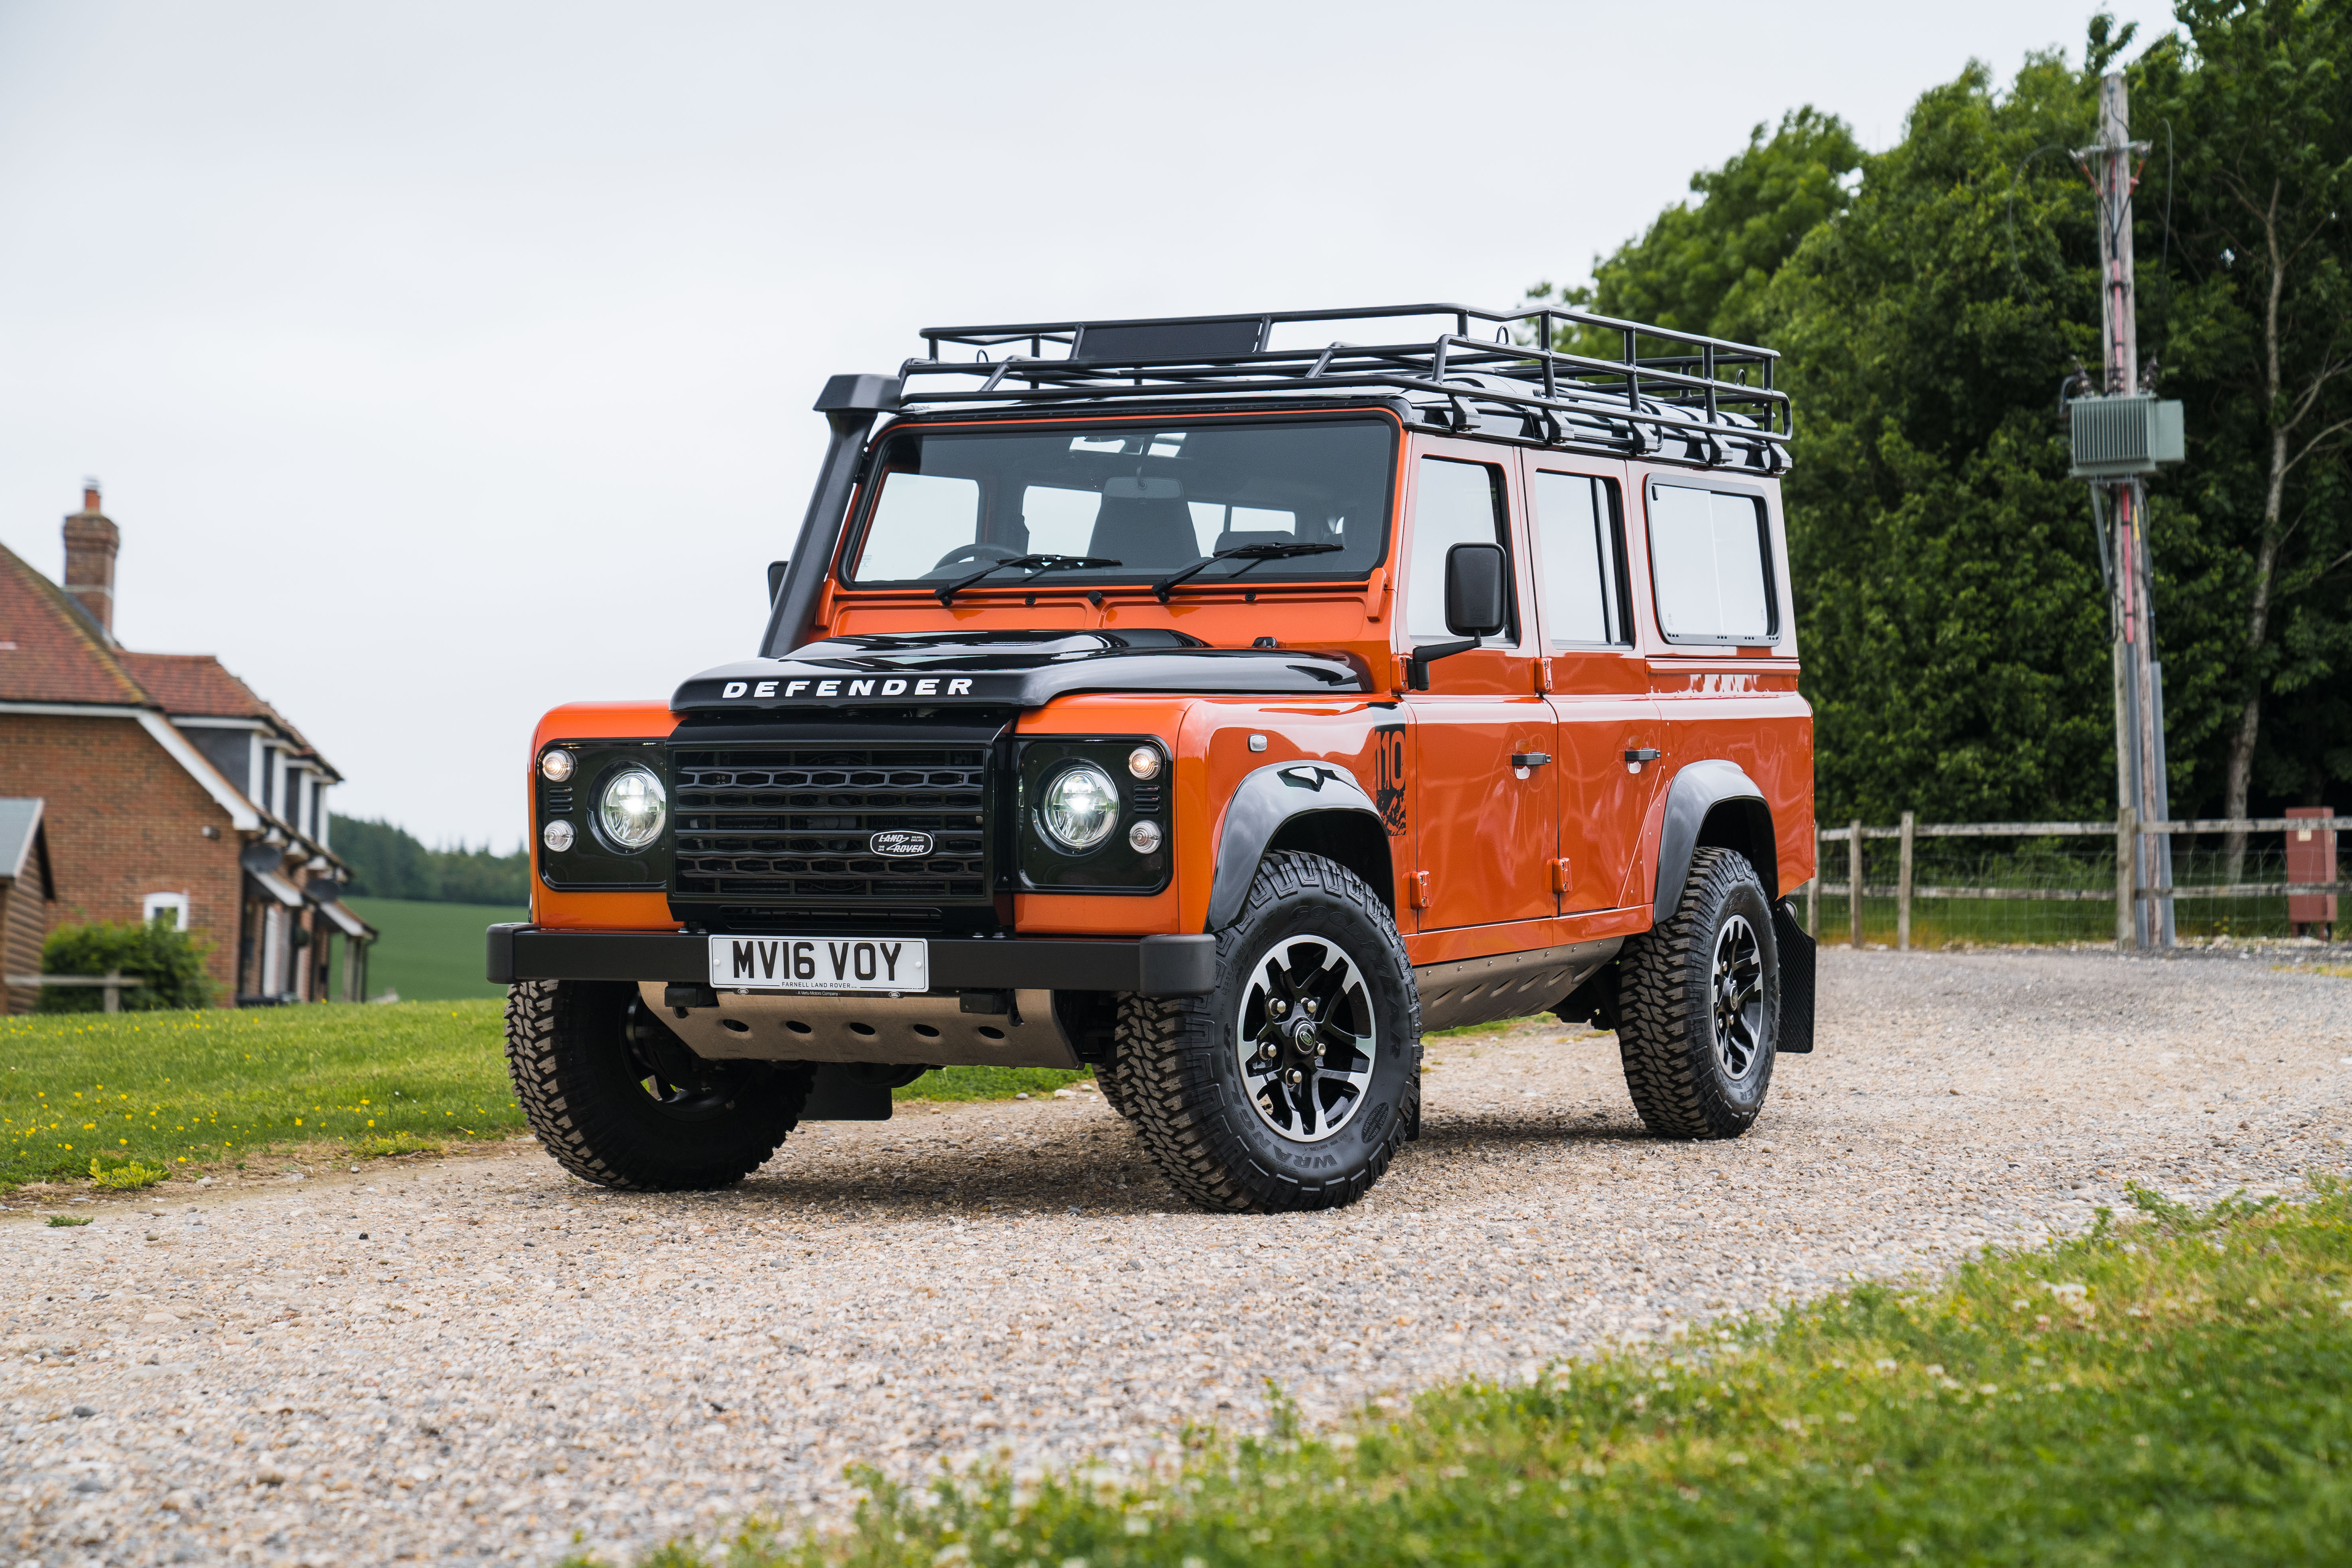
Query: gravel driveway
(508, 1360)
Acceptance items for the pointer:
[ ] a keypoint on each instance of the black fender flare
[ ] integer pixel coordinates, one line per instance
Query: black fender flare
(1698, 790)
(1274, 794)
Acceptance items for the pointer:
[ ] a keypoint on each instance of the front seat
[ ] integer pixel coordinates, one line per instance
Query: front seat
(1153, 533)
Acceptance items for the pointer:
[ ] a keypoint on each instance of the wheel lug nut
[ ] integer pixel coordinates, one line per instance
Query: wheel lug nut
(1278, 1007)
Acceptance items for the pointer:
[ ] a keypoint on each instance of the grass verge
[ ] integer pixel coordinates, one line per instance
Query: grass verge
(124, 1100)
(2175, 1390)
(187, 1090)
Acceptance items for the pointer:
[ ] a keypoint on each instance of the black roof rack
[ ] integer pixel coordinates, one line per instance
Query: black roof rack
(1712, 397)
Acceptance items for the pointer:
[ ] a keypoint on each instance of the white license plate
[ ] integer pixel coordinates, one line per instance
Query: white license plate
(820, 963)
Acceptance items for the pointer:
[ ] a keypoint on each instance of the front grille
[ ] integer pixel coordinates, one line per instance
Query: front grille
(777, 831)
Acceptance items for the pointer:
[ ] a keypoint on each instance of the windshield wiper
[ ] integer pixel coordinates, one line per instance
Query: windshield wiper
(1252, 553)
(1035, 563)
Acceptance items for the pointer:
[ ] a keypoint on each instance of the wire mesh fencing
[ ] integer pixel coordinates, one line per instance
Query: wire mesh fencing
(1968, 884)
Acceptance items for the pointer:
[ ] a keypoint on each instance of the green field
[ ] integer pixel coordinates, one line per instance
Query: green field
(182, 1091)
(430, 953)
(2175, 1390)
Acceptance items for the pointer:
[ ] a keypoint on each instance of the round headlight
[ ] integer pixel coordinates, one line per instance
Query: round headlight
(1081, 807)
(633, 808)
(1144, 761)
(556, 765)
(1143, 838)
(556, 836)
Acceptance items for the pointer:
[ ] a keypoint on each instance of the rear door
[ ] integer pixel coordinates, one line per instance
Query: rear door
(1487, 812)
(1599, 683)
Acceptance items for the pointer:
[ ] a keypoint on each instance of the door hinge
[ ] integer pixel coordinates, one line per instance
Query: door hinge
(1420, 898)
(1560, 877)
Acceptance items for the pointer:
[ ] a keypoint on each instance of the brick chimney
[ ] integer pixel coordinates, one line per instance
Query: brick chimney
(91, 540)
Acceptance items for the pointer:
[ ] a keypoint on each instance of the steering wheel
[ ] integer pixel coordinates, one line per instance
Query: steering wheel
(972, 554)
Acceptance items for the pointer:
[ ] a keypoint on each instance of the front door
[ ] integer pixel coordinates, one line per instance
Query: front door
(1599, 685)
(1484, 797)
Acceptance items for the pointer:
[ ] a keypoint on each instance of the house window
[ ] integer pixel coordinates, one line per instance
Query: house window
(171, 909)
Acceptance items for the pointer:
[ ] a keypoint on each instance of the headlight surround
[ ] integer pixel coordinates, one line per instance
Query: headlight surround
(631, 809)
(1078, 808)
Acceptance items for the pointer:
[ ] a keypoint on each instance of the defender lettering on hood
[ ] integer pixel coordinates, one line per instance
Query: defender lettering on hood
(1013, 668)
(818, 690)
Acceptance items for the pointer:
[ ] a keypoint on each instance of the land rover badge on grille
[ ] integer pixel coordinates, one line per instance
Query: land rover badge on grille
(900, 844)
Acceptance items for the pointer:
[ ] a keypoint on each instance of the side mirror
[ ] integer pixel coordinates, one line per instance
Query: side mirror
(776, 579)
(1475, 579)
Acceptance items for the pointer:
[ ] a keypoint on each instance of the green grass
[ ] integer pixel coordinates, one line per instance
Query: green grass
(430, 951)
(187, 1091)
(988, 1083)
(2177, 1391)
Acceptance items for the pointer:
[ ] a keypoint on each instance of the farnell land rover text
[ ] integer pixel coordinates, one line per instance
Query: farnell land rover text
(1219, 705)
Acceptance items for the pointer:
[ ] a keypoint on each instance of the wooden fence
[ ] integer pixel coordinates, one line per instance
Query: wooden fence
(2125, 895)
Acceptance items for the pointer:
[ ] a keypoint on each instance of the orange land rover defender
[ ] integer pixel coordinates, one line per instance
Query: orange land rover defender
(1218, 708)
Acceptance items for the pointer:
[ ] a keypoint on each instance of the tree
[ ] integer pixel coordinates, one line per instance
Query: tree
(389, 862)
(1949, 605)
(2257, 335)
(1701, 265)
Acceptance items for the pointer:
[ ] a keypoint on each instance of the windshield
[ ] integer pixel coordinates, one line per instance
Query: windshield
(1155, 500)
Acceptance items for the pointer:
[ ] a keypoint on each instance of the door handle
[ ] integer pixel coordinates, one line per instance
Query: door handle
(1635, 756)
(1530, 759)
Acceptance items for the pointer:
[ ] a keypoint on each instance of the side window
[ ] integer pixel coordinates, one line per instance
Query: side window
(1708, 556)
(1458, 503)
(1582, 550)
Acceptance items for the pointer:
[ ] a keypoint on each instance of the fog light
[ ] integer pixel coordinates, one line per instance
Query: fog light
(1143, 838)
(557, 836)
(1144, 761)
(556, 766)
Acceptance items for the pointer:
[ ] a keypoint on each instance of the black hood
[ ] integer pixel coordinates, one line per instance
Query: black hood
(999, 670)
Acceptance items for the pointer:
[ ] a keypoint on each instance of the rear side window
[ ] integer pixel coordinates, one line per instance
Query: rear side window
(1456, 503)
(1709, 558)
(1582, 549)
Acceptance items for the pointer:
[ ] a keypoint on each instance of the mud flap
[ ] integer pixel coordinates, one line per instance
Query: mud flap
(1796, 980)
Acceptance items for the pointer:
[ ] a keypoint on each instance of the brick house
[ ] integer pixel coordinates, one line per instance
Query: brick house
(168, 788)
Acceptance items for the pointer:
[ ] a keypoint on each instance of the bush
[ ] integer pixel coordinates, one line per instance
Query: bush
(127, 1177)
(169, 961)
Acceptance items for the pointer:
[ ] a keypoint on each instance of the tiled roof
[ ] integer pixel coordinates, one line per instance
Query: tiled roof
(193, 685)
(50, 650)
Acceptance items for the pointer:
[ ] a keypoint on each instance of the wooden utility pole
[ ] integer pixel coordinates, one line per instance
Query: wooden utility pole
(2121, 507)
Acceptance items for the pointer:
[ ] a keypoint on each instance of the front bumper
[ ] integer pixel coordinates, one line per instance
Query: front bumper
(1150, 966)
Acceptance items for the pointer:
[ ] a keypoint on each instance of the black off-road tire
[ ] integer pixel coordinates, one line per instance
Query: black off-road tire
(1110, 1077)
(1181, 1067)
(580, 1073)
(1679, 1061)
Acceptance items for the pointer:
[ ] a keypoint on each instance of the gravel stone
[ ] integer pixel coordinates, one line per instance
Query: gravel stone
(479, 1357)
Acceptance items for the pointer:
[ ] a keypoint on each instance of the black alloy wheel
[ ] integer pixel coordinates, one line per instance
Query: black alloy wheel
(1740, 1026)
(1306, 1039)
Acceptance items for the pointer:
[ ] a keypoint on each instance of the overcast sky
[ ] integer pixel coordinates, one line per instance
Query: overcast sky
(445, 362)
